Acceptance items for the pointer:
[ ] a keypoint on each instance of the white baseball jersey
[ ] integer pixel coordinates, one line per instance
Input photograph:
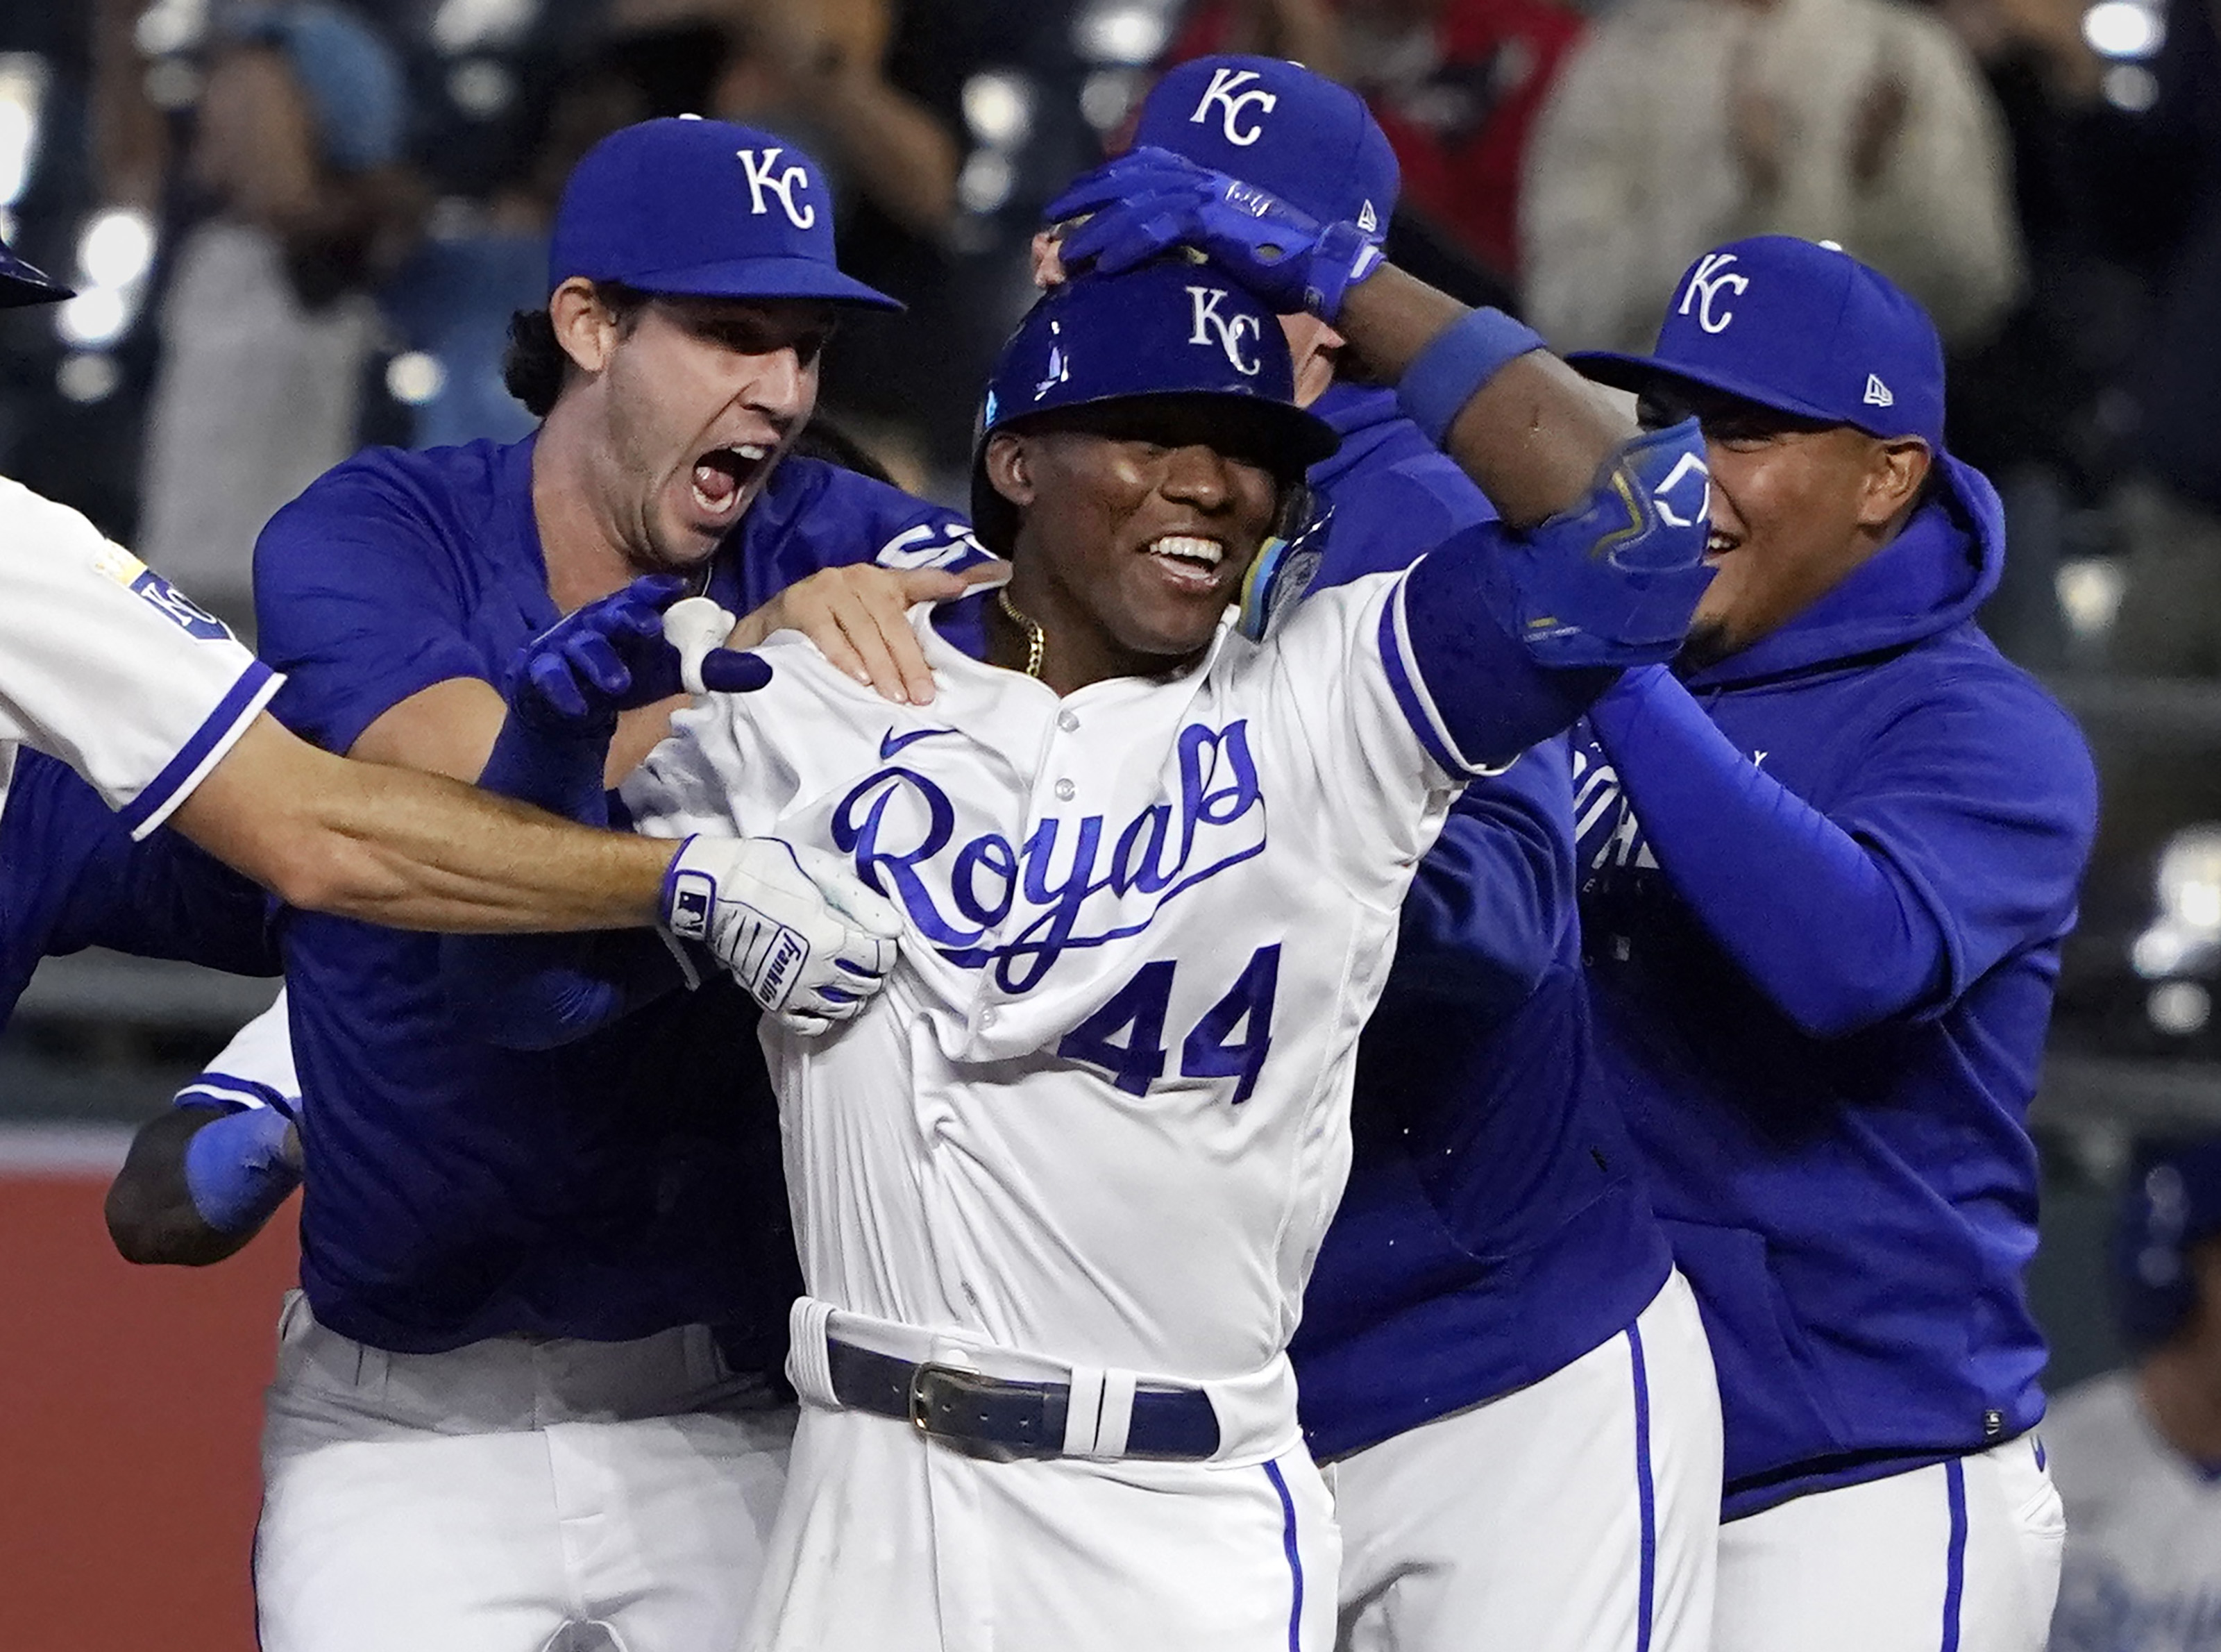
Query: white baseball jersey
(2143, 1570)
(255, 1069)
(105, 666)
(1100, 1111)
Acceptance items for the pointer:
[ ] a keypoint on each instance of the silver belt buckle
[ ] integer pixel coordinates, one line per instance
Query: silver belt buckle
(921, 1404)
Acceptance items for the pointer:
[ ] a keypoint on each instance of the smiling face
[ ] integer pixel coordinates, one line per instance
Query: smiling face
(692, 401)
(1137, 520)
(1798, 505)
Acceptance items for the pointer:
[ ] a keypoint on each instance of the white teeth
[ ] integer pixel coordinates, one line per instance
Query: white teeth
(752, 452)
(1190, 549)
(1717, 544)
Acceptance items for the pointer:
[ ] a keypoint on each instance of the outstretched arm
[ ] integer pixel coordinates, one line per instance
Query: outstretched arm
(809, 942)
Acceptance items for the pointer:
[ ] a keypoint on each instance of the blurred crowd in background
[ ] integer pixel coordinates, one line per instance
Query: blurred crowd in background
(302, 225)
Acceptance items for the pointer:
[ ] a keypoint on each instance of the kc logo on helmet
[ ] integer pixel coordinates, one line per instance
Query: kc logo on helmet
(762, 177)
(1226, 91)
(1705, 281)
(1230, 332)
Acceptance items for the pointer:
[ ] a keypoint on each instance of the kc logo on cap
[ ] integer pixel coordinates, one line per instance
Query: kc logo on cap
(762, 176)
(1231, 330)
(1225, 84)
(1705, 281)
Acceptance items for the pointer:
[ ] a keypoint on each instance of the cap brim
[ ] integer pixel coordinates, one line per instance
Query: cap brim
(763, 278)
(1298, 432)
(1639, 372)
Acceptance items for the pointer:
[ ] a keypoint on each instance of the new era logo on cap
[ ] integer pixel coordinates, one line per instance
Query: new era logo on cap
(1877, 393)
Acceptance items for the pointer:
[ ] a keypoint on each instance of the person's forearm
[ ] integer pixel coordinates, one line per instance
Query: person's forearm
(1533, 435)
(413, 851)
(1813, 918)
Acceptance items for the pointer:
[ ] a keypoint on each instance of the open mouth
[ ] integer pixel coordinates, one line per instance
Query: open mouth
(1191, 560)
(1717, 545)
(722, 476)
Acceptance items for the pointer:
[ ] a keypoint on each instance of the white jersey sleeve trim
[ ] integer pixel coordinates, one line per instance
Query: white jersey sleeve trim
(255, 1070)
(210, 745)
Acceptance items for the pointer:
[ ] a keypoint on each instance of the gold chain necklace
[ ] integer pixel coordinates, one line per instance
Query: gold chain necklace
(1037, 645)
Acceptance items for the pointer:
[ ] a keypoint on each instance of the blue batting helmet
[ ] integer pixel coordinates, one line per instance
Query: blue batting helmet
(1173, 327)
(2171, 1204)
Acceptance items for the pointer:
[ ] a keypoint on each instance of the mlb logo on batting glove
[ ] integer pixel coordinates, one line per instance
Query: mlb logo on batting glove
(792, 925)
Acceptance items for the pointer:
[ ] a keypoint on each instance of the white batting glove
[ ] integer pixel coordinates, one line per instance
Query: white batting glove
(795, 927)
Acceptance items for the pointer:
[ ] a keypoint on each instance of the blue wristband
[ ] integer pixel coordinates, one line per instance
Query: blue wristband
(235, 1170)
(1451, 370)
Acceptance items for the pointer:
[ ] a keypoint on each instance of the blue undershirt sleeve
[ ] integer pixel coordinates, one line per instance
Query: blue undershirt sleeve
(540, 991)
(1828, 929)
(1491, 900)
(161, 898)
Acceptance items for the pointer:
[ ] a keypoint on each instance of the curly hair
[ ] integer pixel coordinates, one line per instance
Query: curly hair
(534, 368)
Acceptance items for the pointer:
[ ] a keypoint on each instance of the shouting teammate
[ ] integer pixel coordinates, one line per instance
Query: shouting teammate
(108, 669)
(523, 1387)
(1057, 1196)
(1513, 1396)
(1830, 855)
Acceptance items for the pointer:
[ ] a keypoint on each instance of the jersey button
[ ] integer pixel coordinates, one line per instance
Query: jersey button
(1067, 721)
(1065, 790)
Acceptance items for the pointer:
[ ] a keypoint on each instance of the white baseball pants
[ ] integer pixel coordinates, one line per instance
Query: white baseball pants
(512, 1496)
(1577, 1514)
(1960, 1557)
(890, 1541)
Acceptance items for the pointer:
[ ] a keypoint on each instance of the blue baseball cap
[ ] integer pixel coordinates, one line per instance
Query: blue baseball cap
(2171, 1203)
(1800, 326)
(702, 209)
(1172, 326)
(22, 282)
(1277, 125)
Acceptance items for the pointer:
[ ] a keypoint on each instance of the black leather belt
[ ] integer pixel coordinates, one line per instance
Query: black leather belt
(1021, 1419)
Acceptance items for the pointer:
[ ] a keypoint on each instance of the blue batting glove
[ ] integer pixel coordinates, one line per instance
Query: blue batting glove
(610, 656)
(1148, 201)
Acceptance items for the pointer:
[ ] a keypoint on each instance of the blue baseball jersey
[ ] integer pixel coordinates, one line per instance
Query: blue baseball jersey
(1854, 1207)
(456, 1190)
(1495, 1228)
(71, 877)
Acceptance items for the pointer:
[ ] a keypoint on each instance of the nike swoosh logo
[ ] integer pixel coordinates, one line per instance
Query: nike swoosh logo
(891, 742)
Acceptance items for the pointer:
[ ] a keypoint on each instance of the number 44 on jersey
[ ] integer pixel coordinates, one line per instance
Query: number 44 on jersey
(1126, 1036)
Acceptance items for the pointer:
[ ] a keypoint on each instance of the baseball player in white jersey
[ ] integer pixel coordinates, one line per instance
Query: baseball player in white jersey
(1057, 1192)
(106, 667)
(2136, 1454)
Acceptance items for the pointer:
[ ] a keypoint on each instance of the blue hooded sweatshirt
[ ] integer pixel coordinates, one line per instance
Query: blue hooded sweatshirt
(1824, 886)
(1495, 1229)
